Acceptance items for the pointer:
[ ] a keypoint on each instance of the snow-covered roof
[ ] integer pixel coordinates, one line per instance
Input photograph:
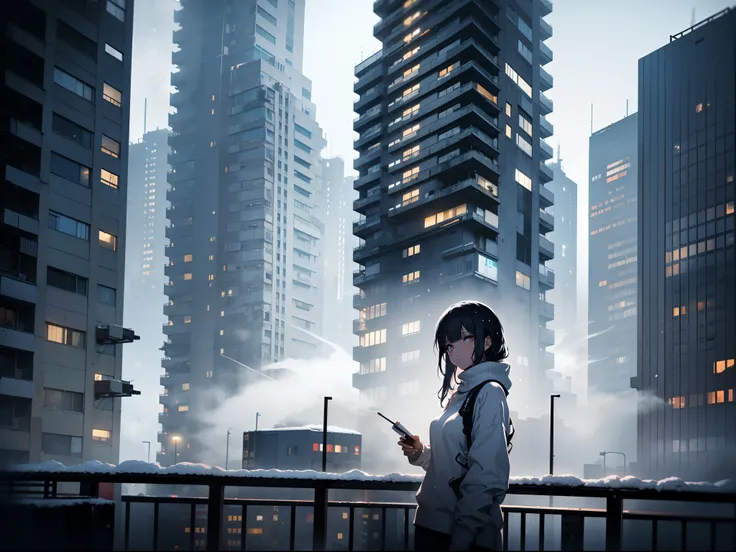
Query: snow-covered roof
(138, 467)
(330, 429)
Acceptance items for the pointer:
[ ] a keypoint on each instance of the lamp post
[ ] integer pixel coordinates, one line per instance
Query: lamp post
(255, 440)
(227, 447)
(552, 433)
(175, 439)
(149, 450)
(606, 452)
(552, 438)
(324, 436)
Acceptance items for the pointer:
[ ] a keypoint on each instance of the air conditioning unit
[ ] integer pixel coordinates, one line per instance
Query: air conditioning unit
(112, 334)
(110, 388)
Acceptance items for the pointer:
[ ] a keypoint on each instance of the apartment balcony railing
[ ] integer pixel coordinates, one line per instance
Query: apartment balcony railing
(705, 517)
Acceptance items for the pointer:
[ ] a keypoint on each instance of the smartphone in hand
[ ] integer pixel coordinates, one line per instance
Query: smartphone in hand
(398, 428)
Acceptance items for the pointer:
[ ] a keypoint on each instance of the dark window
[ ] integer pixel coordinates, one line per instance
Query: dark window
(265, 15)
(56, 399)
(76, 40)
(106, 295)
(68, 225)
(61, 445)
(71, 170)
(72, 131)
(73, 84)
(66, 281)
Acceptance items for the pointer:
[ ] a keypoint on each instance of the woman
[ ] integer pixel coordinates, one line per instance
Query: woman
(459, 502)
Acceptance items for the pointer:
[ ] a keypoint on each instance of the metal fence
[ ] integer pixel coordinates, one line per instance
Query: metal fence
(572, 526)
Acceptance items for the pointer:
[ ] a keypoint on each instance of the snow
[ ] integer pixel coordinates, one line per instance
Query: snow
(314, 427)
(137, 467)
(59, 502)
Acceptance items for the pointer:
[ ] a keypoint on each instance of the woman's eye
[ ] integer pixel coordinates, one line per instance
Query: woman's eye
(469, 339)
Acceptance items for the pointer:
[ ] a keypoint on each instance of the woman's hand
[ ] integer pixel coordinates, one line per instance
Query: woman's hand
(411, 448)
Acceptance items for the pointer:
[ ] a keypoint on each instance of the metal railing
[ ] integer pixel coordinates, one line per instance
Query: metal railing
(47, 484)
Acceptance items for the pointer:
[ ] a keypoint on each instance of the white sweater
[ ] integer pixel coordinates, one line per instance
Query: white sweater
(476, 517)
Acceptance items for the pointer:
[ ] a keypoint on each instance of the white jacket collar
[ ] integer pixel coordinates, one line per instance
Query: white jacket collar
(475, 375)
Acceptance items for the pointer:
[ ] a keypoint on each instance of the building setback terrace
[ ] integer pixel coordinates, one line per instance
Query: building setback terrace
(711, 528)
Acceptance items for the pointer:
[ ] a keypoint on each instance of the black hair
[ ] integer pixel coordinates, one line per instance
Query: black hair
(480, 321)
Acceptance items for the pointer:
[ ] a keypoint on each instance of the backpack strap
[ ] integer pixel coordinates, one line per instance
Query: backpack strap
(467, 409)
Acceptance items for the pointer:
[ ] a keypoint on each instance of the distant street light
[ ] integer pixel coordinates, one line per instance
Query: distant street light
(324, 436)
(605, 453)
(175, 439)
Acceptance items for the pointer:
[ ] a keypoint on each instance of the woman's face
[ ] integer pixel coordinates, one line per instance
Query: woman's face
(461, 351)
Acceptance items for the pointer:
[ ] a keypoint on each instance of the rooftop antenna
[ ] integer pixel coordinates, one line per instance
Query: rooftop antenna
(692, 18)
(559, 156)
(145, 113)
(591, 119)
(627, 107)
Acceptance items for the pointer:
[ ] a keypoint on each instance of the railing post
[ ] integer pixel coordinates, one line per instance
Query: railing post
(214, 516)
(572, 531)
(319, 534)
(89, 488)
(614, 522)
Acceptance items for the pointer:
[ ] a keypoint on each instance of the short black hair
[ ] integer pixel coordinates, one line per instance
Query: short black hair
(480, 321)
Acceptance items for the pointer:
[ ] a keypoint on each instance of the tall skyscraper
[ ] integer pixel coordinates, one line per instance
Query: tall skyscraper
(612, 257)
(452, 183)
(245, 190)
(687, 296)
(562, 219)
(339, 243)
(144, 268)
(64, 144)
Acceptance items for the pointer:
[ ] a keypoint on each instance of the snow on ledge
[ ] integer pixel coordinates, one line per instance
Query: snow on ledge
(330, 429)
(137, 467)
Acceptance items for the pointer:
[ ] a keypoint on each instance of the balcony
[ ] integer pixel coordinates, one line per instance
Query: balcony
(547, 129)
(546, 80)
(546, 310)
(546, 105)
(373, 175)
(547, 152)
(465, 190)
(546, 52)
(546, 6)
(546, 336)
(361, 276)
(372, 197)
(546, 221)
(546, 277)
(368, 78)
(546, 248)
(545, 173)
(368, 116)
(365, 223)
(366, 63)
(545, 28)
(622, 506)
(362, 252)
(546, 197)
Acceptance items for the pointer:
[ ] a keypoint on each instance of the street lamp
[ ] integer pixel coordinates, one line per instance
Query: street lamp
(606, 452)
(255, 441)
(324, 436)
(175, 439)
(149, 450)
(227, 447)
(552, 433)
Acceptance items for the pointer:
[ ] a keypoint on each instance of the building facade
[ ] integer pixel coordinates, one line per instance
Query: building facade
(452, 173)
(245, 237)
(687, 296)
(300, 448)
(339, 243)
(563, 218)
(612, 246)
(65, 94)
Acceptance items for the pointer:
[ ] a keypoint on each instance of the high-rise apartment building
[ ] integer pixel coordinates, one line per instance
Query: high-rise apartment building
(144, 263)
(339, 243)
(64, 154)
(245, 190)
(612, 246)
(452, 189)
(687, 296)
(562, 218)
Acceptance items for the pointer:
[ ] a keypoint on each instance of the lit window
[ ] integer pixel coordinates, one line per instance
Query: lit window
(523, 281)
(410, 328)
(411, 277)
(112, 95)
(445, 216)
(188, 276)
(185, 387)
(523, 179)
(409, 132)
(108, 178)
(187, 319)
(106, 240)
(446, 71)
(508, 131)
(116, 8)
(699, 108)
(412, 35)
(113, 52)
(102, 435)
(211, 277)
(410, 251)
(508, 109)
(188, 258)
(413, 17)
(373, 338)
